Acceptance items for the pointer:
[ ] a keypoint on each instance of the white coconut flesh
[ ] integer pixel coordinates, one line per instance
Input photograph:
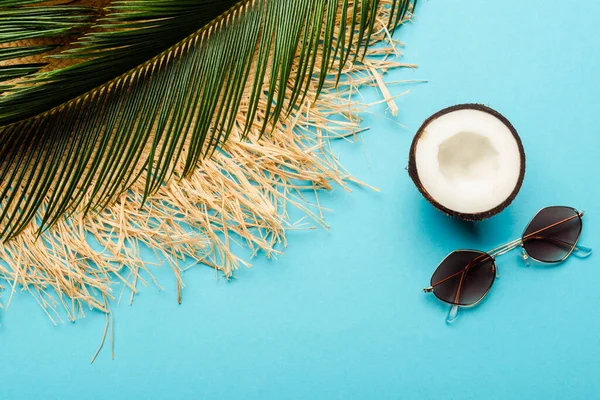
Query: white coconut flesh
(468, 161)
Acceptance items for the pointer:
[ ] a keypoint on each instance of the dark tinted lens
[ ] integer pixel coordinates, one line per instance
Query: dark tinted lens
(552, 234)
(464, 277)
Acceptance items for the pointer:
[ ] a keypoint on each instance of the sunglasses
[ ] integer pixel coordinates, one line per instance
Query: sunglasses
(465, 277)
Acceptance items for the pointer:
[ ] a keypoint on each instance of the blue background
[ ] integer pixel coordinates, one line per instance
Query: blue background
(341, 314)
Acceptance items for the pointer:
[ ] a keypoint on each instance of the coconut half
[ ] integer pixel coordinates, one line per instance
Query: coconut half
(468, 161)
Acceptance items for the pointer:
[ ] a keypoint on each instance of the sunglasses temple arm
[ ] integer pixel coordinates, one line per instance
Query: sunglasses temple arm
(582, 251)
(452, 314)
(579, 250)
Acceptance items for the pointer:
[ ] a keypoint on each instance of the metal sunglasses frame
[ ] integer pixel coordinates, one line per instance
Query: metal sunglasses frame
(503, 249)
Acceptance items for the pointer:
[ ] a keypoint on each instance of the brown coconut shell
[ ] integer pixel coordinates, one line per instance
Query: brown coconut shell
(414, 174)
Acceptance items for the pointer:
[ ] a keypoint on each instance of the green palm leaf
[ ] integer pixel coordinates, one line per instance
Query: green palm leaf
(141, 84)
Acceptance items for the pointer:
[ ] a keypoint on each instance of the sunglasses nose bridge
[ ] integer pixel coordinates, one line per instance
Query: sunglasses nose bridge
(524, 256)
(498, 251)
